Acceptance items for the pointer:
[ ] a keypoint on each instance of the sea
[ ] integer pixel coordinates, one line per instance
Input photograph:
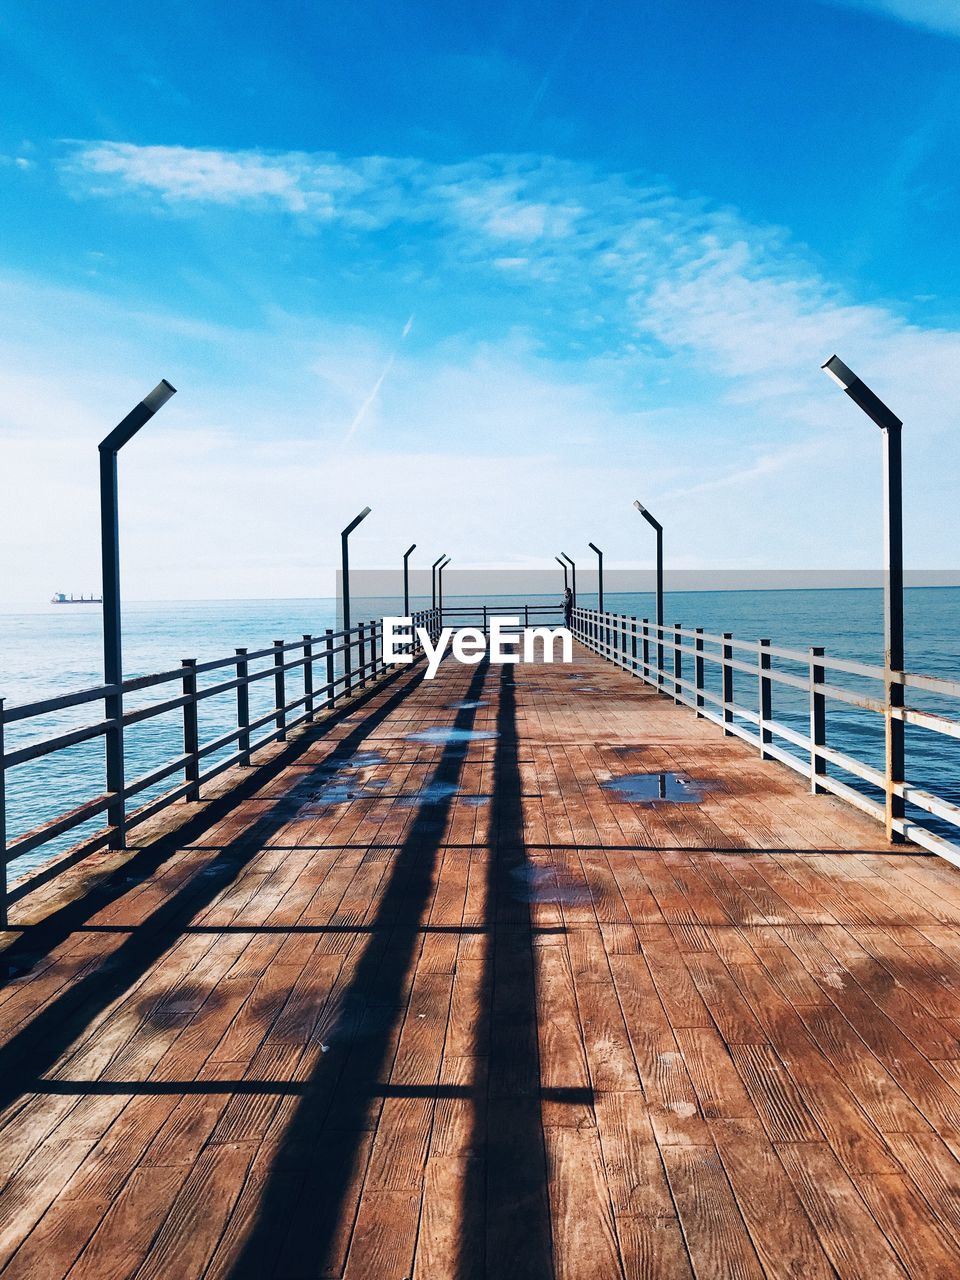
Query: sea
(48, 650)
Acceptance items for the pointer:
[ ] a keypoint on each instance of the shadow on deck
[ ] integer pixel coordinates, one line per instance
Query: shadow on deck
(460, 1010)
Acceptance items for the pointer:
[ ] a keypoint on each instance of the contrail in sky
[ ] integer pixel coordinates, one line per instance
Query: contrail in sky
(375, 389)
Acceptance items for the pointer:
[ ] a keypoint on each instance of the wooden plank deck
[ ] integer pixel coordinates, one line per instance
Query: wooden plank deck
(440, 1005)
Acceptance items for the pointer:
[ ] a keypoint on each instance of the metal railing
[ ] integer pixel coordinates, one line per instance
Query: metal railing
(479, 615)
(676, 660)
(345, 661)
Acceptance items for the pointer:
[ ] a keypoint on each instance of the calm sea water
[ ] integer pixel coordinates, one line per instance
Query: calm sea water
(48, 650)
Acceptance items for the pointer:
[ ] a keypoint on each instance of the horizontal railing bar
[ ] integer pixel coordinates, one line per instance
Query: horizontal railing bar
(932, 684)
(928, 720)
(158, 775)
(925, 800)
(63, 862)
(155, 709)
(34, 750)
(28, 710)
(57, 826)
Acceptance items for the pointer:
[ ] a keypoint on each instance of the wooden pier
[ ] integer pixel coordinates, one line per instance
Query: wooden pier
(427, 999)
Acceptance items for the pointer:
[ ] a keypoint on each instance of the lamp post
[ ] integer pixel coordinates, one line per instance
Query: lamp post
(565, 574)
(440, 570)
(890, 425)
(433, 578)
(658, 527)
(110, 562)
(594, 547)
(406, 578)
(573, 575)
(345, 587)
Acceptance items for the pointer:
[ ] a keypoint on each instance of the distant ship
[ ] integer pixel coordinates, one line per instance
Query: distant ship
(60, 598)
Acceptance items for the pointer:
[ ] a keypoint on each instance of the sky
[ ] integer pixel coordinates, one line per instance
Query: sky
(493, 270)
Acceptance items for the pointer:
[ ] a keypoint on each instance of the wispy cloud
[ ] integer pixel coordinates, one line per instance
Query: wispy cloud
(942, 16)
(661, 336)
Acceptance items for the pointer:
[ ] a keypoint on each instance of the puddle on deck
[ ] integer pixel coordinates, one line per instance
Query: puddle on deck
(534, 883)
(441, 735)
(654, 788)
(466, 706)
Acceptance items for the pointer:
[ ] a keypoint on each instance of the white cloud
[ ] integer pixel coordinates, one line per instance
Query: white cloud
(691, 344)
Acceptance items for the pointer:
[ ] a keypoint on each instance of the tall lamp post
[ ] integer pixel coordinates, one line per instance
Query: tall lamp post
(890, 425)
(433, 578)
(406, 578)
(110, 563)
(565, 574)
(345, 586)
(594, 547)
(573, 575)
(440, 570)
(658, 527)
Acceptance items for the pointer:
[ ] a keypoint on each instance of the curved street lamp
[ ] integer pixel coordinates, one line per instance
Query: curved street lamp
(433, 578)
(440, 570)
(658, 527)
(345, 586)
(406, 578)
(573, 569)
(890, 425)
(110, 446)
(566, 576)
(594, 547)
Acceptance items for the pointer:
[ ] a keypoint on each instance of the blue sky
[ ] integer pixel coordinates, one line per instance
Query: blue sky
(495, 270)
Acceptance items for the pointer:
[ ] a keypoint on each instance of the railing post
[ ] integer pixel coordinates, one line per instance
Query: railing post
(677, 664)
(243, 709)
(699, 699)
(3, 828)
(191, 732)
(645, 646)
(331, 687)
(765, 696)
(526, 615)
(308, 677)
(484, 619)
(727, 656)
(633, 645)
(818, 720)
(362, 652)
(279, 690)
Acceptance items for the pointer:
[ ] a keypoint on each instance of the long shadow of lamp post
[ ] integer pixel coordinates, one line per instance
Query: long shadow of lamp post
(890, 425)
(112, 633)
(658, 527)
(345, 587)
(440, 570)
(573, 568)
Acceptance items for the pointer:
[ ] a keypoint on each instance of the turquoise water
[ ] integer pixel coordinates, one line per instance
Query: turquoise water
(49, 650)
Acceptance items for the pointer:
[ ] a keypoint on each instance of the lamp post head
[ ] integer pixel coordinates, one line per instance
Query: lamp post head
(593, 547)
(159, 396)
(354, 522)
(137, 417)
(567, 558)
(647, 516)
(860, 394)
(410, 550)
(438, 559)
